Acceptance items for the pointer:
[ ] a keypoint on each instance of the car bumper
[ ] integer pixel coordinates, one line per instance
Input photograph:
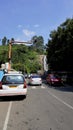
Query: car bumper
(36, 83)
(56, 83)
(13, 92)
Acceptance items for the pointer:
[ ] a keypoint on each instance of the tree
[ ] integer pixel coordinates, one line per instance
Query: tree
(23, 58)
(4, 40)
(7, 41)
(60, 47)
(38, 43)
(12, 39)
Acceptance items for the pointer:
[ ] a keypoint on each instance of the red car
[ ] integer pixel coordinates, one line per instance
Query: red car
(53, 79)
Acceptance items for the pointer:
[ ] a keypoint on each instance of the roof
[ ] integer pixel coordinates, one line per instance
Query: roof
(14, 74)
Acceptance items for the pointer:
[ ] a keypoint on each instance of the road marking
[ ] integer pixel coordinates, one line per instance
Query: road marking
(71, 107)
(33, 87)
(42, 87)
(7, 116)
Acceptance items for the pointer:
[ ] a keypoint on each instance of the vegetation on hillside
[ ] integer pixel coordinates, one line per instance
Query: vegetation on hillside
(24, 58)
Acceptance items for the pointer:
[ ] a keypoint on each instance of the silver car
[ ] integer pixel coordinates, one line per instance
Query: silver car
(35, 80)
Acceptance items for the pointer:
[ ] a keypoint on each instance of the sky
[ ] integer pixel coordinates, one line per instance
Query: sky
(23, 19)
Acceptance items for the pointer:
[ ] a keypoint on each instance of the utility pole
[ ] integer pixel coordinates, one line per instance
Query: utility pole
(10, 48)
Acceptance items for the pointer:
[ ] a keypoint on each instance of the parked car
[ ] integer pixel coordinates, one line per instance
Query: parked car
(13, 84)
(35, 80)
(53, 79)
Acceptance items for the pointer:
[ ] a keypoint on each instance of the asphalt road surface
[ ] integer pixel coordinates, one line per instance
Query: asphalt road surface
(45, 108)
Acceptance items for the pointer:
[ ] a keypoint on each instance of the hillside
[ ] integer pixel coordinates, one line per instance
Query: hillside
(23, 58)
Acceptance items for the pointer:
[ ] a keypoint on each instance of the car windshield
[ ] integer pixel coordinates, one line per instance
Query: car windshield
(35, 76)
(54, 76)
(13, 79)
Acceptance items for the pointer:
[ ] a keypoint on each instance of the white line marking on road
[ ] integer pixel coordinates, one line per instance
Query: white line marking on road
(7, 116)
(36, 87)
(42, 87)
(33, 87)
(71, 107)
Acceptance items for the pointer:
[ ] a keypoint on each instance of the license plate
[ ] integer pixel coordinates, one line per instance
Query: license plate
(12, 86)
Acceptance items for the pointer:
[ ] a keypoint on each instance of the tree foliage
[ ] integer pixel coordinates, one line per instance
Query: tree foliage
(38, 44)
(4, 41)
(23, 58)
(60, 47)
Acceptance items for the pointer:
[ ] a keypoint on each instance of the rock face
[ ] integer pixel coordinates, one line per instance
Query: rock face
(43, 61)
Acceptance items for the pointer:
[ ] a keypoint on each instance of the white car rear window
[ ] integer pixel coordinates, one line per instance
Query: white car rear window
(13, 79)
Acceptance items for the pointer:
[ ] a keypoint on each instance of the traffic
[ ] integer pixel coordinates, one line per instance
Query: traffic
(34, 101)
(45, 107)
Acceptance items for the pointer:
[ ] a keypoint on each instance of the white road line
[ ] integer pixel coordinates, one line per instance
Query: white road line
(7, 116)
(36, 87)
(33, 87)
(69, 106)
(42, 87)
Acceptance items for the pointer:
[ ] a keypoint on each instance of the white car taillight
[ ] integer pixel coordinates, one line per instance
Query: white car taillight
(25, 85)
(0, 85)
(52, 79)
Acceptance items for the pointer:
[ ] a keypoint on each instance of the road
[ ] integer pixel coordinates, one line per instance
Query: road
(45, 108)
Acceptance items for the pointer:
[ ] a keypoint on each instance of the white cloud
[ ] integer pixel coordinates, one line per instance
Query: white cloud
(28, 33)
(36, 25)
(19, 26)
(17, 39)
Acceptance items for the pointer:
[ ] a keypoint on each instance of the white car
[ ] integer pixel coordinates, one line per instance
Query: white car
(13, 84)
(35, 80)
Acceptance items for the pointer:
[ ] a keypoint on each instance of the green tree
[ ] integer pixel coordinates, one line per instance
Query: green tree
(38, 43)
(7, 41)
(12, 39)
(23, 58)
(60, 47)
(4, 41)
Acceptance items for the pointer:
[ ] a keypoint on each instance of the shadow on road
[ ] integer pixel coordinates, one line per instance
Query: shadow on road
(64, 88)
(12, 98)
